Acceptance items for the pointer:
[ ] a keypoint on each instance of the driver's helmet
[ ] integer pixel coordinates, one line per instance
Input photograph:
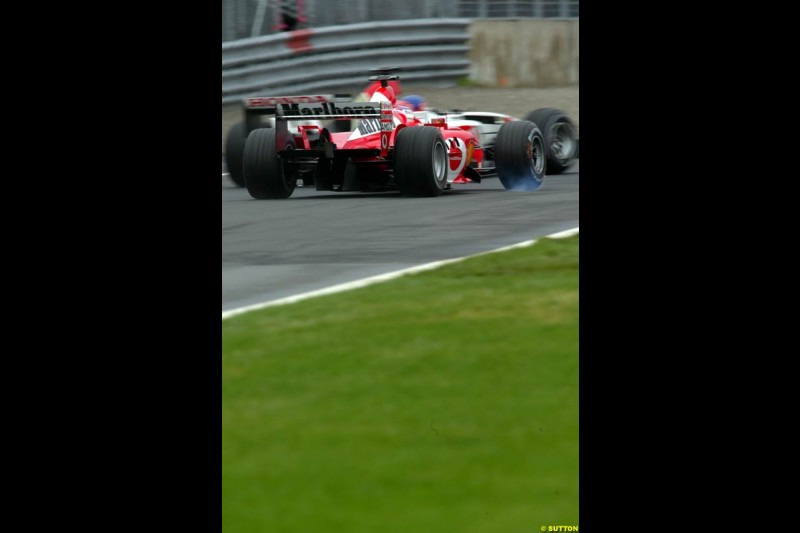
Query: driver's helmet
(415, 102)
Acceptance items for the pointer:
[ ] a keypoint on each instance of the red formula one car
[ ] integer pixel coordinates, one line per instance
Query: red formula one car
(388, 149)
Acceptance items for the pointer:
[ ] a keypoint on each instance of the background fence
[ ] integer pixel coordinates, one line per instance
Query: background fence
(243, 19)
(338, 58)
(306, 46)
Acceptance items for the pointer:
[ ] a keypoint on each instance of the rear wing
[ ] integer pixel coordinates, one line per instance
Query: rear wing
(255, 107)
(378, 115)
(319, 107)
(328, 111)
(267, 105)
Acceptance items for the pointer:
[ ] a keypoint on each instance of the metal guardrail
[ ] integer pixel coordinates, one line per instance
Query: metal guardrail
(338, 58)
(243, 19)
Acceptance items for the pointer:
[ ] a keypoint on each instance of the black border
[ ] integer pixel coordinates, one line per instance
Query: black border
(145, 121)
(657, 186)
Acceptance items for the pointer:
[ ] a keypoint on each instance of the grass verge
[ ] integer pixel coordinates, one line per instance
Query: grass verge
(441, 401)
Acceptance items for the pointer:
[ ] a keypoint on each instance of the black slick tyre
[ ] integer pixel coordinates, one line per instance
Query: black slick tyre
(420, 161)
(560, 138)
(520, 156)
(266, 175)
(234, 148)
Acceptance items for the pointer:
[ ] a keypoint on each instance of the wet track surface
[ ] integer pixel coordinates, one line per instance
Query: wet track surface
(314, 239)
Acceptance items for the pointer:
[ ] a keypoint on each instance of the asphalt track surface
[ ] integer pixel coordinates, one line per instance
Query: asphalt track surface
(274, 249)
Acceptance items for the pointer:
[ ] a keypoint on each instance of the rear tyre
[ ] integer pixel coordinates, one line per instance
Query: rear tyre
(560, 138)
(420, 161)
(266, 175)
(520, 156)
(234, 150)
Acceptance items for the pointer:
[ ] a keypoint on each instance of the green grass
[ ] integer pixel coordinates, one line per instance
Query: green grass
(445, 401)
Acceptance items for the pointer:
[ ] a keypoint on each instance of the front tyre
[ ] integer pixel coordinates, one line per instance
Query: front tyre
(559, 136)
(420, 161)
(266, 175)
(520, 156)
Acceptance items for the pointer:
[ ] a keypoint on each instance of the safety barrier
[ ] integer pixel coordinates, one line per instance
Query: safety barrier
(338, 58)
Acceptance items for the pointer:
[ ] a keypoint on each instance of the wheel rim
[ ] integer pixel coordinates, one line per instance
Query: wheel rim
(562, 141)
(439, 161)
(536, 155)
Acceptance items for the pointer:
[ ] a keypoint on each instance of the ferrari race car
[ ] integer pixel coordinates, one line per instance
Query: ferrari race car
(390, 148)
(237, 134)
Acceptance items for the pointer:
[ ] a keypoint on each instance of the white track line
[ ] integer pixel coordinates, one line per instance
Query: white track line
(382, 277)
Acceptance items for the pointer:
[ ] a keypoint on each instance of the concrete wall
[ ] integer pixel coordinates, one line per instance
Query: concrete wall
(524, 53)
